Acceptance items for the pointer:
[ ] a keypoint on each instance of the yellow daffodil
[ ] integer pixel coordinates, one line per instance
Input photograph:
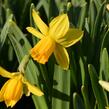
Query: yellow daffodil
(54, 38)
(12, 90)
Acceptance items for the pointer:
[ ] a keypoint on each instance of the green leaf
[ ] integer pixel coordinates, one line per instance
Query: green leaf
(105, 40)
(78, 2)
(98, 3)
(86, 97)
(2, 17)
(32, 24)
(75, 79)
(104, 65)
(98, 23)
(77, 102)
(61, 89)
(98, 91)
(82, 68)
(81, 20)
(5, 30)
(83, 72)
(92, 15)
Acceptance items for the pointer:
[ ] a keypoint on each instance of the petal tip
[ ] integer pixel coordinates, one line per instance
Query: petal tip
(99, 81)
(27, 28)
(41, 94)
(33, 10)
(64, 15)
(66, 67)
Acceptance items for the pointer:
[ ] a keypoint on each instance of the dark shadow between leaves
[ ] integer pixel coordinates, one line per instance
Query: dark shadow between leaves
(60, 95)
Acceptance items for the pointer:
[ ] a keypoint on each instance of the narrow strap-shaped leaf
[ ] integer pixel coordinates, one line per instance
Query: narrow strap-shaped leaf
(92, 15)
(104, 65)
(105, 40)
(85, 97)
(83, 74)
(98, 22)
(81, 20)
(97, 89)
(4, 31)
(98, 4)
(61, 89)
(77, 102)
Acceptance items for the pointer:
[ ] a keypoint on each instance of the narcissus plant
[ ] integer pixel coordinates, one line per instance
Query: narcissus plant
(55, 38)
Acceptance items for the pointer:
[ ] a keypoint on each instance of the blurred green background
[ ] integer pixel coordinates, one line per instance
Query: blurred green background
(76, 88)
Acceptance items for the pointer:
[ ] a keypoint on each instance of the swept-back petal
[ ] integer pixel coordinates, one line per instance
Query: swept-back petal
(59, 27)
(62, 56)
(72, 36)
(10, 103)
(40, 24)
(35, 32)
(5, 73)
(33, 89)
(104, 84)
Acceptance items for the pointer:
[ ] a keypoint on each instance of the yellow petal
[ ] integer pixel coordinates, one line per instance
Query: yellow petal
(10, 103)
(104, 84)
(35, 32)
(18, 90)
(5, 73)
(1, 98)
(3, 91)
(40, 24)
(14, 89)
(59, 27)
(33, 89)
(43, 50)
(72, 36)
(62, 56)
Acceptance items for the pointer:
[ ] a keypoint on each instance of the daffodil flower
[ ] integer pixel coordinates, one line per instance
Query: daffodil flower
(54, 38)
(12, 90)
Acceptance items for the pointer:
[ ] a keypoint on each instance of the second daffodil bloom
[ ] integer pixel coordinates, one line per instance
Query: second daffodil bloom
(54, 38)
(12, 90)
